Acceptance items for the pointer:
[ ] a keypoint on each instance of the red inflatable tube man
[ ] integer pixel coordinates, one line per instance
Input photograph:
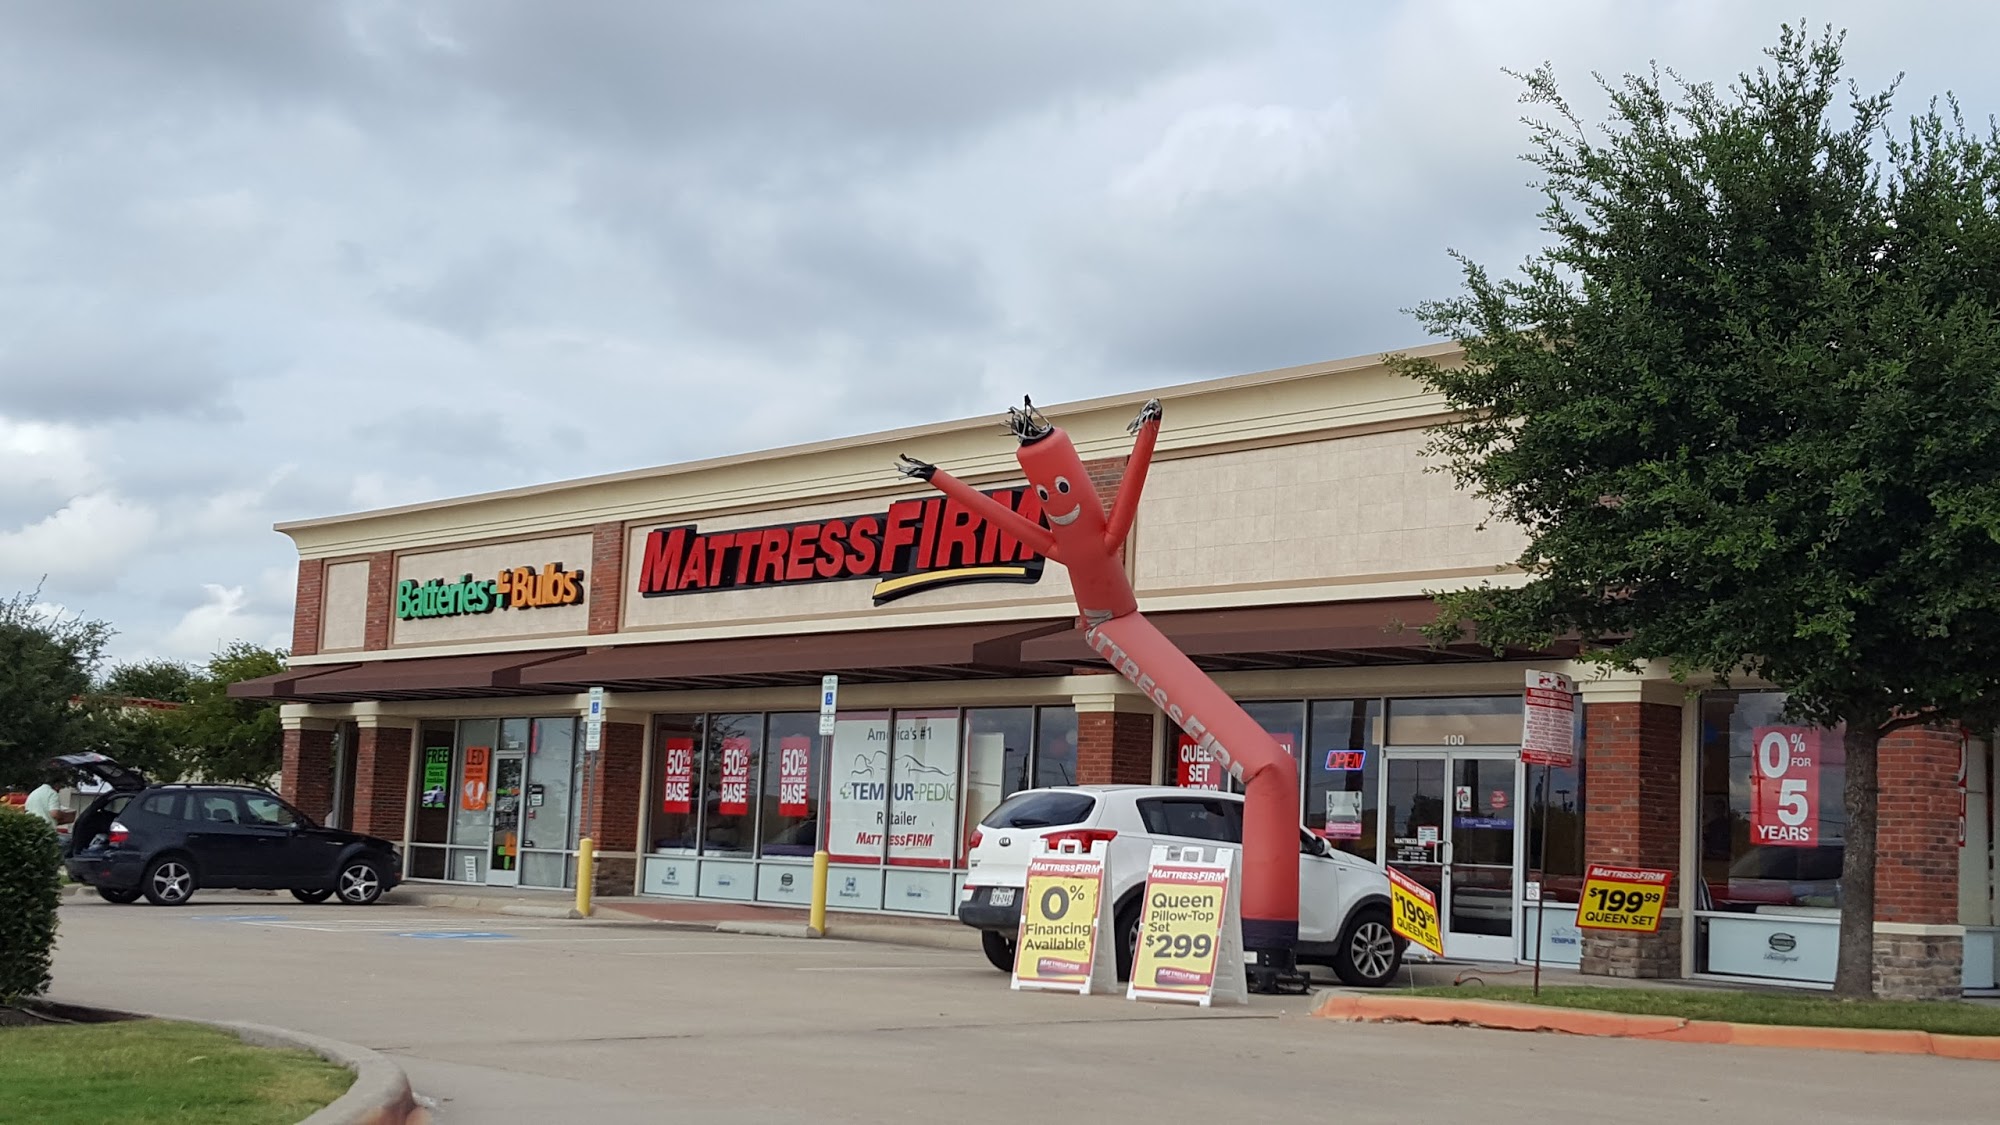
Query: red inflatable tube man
(1086, 542)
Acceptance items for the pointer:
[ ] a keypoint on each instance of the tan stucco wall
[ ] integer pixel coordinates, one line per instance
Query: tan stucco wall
(343, 614)
(1310, 514)
(1300, 484)
(484, 562)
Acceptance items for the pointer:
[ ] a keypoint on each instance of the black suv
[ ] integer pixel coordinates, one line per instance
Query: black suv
(163, 841)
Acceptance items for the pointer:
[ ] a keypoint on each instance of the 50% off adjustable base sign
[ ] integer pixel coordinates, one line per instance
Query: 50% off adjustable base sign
(1064, 944)
(1190, 944)
(1622, 898)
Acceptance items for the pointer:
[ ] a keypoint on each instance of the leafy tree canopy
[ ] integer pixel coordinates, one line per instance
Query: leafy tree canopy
(46, 662)
(167, 680)
(1746, 403)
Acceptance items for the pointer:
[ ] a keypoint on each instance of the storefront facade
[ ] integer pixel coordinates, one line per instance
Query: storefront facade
(1290, 530)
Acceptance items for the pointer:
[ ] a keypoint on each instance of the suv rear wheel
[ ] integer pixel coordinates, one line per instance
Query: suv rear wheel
(1368, 956)
(999, 950)
(1126, 926)
(121, 897)
(169, 881)
(359, 882)
(310, 896)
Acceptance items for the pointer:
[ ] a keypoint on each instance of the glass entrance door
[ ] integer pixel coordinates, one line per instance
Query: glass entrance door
(1449, 822)
(503, 866)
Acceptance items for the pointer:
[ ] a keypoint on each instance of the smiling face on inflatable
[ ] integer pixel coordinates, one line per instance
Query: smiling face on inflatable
(1063, 486)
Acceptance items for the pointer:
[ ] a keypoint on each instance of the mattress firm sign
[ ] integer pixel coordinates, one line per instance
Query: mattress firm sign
(914, 545)
(900, 793)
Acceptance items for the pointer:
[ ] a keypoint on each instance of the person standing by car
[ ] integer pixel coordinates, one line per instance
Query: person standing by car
(44, 802)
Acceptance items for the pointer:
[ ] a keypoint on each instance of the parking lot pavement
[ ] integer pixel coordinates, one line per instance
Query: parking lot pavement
(506, 1019)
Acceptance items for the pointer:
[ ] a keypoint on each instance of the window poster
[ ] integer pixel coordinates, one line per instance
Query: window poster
(437, 777)
(1784, 772)
(794, 775)
(677, 776)
(734, 796)
(923, 796)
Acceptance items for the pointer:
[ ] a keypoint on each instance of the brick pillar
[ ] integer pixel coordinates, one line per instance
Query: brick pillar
(1919, 943)
(1113, 747)
(382, 780)
(306, 778)
(1106, 474)
(306, 607)
(607, 577)
(613, 819)
(1632, 782)
(381, 600)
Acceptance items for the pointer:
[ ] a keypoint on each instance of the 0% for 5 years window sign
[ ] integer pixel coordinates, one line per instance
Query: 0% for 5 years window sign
(1623, 898)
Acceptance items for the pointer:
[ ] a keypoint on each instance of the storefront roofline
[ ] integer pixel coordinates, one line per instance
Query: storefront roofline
(316, 535)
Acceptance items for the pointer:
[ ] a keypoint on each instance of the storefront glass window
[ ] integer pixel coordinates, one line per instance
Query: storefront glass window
(856, 810)
(1773, 822)
(436, 784)
(997, 758)
(676, 742)
(545, 821)
(1342, 760)
(472, 804)
(728, 770)
(790, 802)
(1055, 752)
(1486, 720)
(923, 791)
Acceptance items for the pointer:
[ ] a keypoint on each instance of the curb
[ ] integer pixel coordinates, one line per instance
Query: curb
(380, 1094)
(921, 934)
(1502, 1016)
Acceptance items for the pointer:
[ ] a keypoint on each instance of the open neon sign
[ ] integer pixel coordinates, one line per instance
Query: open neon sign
(1345, 761)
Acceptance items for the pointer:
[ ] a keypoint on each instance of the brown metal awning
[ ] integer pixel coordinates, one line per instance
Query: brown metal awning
(949, 652)
(438, 677)
(1318, 635)
(281, 685)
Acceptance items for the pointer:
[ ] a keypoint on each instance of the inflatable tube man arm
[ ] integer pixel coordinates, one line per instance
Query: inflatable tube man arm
(1010, 522)
(1126, 507)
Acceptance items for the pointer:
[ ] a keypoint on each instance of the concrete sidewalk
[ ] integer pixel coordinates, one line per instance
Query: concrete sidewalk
(719, 917)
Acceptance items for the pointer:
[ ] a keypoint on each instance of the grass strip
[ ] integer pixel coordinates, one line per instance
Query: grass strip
(157, 1072)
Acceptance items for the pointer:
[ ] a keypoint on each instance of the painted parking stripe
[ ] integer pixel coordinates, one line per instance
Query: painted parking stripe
(456, 935)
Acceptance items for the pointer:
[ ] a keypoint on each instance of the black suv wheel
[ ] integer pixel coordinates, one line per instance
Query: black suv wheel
(169, 881)
(359, 882)
(310, 896)
(121, 897)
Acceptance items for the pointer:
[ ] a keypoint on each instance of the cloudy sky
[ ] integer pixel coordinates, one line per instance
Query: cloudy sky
(266, 261)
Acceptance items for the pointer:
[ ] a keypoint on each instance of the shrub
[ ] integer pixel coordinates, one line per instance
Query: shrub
(30, 891)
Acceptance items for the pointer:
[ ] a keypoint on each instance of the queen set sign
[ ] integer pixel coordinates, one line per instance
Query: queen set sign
(1190, 945)
(1622, 898)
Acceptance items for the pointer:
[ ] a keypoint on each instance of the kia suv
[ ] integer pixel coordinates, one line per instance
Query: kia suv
(1343, 901)
(166, 841)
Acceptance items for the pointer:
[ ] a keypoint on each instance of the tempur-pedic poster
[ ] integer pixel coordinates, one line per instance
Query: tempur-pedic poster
(907, 790)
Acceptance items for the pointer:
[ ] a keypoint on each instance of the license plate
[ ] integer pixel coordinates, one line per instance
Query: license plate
(1003, 896)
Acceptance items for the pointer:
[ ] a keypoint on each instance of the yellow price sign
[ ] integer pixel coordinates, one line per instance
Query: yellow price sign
(1180, 934)
(1058, 936)
(1623, 898)
(1413, 912)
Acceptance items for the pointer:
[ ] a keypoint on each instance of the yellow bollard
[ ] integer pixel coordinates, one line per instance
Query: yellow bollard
(818, 917)
(586, 856)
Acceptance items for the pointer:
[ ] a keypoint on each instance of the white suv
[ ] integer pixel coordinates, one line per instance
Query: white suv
(1343, 901)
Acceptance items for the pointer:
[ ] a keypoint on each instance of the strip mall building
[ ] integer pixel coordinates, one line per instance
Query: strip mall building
(443, 651)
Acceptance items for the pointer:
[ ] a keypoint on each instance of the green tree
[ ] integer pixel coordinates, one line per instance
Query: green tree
(46, 661)
(224, 739)
(1746, 405)
(169, 681)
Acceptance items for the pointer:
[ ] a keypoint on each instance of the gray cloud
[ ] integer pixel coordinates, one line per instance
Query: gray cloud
(268, 261)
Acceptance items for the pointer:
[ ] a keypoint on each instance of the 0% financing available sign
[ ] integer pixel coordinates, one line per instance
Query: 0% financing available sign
(1058, 938)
